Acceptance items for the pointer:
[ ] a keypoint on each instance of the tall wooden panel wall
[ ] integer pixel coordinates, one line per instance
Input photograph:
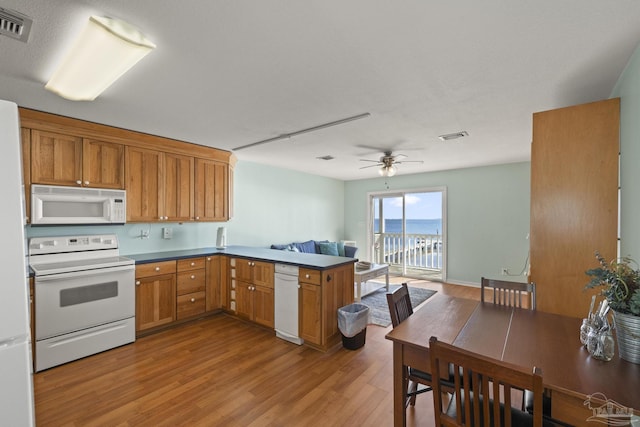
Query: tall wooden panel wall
(574, 201)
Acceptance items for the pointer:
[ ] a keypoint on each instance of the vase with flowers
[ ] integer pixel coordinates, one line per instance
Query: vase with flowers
(619, 280)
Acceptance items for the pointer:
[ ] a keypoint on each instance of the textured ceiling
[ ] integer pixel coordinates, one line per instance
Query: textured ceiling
(230, 73)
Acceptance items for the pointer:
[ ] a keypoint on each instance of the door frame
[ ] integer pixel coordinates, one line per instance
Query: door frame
(402, 193)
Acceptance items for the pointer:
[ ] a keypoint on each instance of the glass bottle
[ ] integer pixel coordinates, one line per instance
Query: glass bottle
(584, 331)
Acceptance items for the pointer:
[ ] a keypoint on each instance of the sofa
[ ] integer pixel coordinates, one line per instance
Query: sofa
(319, 247)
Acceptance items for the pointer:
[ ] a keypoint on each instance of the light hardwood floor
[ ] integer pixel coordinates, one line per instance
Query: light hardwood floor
(219, 371)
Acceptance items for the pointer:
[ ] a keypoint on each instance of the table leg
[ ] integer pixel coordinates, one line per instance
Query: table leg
(399, 386)
(359, 291)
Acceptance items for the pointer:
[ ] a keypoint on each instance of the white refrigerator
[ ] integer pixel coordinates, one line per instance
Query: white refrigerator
(16, 368)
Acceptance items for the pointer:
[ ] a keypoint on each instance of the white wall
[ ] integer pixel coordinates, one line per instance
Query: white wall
(488, 217)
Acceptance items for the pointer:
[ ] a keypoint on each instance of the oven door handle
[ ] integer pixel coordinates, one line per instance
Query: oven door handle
(89, 272)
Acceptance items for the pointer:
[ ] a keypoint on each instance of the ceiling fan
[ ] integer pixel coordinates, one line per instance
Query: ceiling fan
(387, 163)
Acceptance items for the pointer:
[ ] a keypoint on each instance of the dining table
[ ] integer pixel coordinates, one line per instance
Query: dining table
(582, 389)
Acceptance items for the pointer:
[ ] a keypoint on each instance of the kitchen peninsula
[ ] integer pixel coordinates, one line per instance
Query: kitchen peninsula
(176, 286)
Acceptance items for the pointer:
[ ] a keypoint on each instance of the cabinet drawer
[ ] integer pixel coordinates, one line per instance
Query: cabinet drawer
(309, 276)
(191, 264)
(190, 305)
(191, 281)
(155, 268)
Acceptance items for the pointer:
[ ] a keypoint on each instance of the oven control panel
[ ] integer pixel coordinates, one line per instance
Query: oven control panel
(54, 245)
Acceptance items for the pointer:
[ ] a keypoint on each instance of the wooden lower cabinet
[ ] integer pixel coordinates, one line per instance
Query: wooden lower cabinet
(155, 295)
(310, 313)
(322, 293)
(255, 303)
(191, 287)
(213, 272)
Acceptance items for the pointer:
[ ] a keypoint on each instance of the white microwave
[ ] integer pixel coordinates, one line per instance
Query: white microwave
(57, 205)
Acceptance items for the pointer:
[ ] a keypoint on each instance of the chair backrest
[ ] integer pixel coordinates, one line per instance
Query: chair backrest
(399, 304)
(485, 399)
(509, 293)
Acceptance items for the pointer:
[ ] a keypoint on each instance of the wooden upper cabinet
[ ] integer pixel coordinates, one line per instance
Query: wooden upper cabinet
(211, 190)
(178, 187)
(102, 164)
(25, 134)
(59, 159)
(144, 185)
(574, 201)
(56, 159)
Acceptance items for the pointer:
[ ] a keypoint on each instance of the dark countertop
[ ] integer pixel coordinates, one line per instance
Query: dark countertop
(313, 261)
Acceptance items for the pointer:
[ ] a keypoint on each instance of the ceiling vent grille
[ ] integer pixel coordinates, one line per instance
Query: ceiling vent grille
(327, 157)
(15, 25)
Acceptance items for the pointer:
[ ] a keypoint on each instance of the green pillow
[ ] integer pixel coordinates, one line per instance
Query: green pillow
(329, 248)
(341, 248)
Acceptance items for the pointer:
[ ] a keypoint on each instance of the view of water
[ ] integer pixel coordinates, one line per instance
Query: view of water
(414, 226)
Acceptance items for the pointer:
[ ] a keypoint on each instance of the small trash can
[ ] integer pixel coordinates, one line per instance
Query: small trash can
(352, 322)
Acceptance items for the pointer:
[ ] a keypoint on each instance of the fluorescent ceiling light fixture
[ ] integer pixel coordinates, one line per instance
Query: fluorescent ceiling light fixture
(307, 130)
(105, 50)
(454, 135)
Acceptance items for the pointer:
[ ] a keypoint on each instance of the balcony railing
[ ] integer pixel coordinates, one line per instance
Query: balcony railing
(417, 250)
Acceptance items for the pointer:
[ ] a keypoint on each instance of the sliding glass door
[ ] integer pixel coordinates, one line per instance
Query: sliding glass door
(407, 231)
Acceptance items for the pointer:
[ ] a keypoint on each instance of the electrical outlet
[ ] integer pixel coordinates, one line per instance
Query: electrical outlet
(167, 232)
(504, 271)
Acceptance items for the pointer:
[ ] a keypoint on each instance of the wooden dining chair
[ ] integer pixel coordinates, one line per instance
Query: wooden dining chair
(485, 399)
(400, 308)
(509, 293)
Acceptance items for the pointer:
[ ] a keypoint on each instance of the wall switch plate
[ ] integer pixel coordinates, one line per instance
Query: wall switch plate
(167, 232)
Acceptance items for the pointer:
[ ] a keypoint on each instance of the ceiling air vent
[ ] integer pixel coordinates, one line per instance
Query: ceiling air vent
(327, 157)
(455, 135)
(14, 24)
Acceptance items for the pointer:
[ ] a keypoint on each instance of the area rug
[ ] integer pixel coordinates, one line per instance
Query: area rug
(377, 303)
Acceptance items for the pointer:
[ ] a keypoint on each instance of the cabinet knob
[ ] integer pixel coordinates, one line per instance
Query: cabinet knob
(137, 282)
(157, 268)
(193, 300)
(192, 264)
(79, 182)
(197, 218)
(306, 276)
(86, 183)
(193, 277)
(208, 258)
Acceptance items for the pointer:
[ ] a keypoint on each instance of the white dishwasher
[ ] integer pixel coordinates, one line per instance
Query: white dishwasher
(286, 303)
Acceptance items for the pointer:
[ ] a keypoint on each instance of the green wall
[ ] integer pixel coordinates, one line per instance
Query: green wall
(272, 205)
(487, 217)
(628, 89)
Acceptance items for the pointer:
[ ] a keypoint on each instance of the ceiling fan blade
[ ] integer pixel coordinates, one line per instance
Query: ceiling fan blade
(367, 160)
(409, 161)
(370, 166)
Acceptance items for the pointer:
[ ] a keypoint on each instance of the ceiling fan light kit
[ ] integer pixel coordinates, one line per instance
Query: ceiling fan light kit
(387, 170)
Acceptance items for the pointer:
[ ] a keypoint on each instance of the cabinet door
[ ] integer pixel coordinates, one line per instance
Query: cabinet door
(155, 301)
(145, 197)
(244, 299)
(263, 306)
(263, 273)
(311, 313)
(178, 187)
(211, 190)
(55, 159)
(574, 201)
(213, 282)
(102, 164)
(26, 171)
(244, 269)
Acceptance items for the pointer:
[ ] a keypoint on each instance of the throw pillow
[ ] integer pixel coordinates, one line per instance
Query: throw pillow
(340, 248)
(329, 248)
(308, 247)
